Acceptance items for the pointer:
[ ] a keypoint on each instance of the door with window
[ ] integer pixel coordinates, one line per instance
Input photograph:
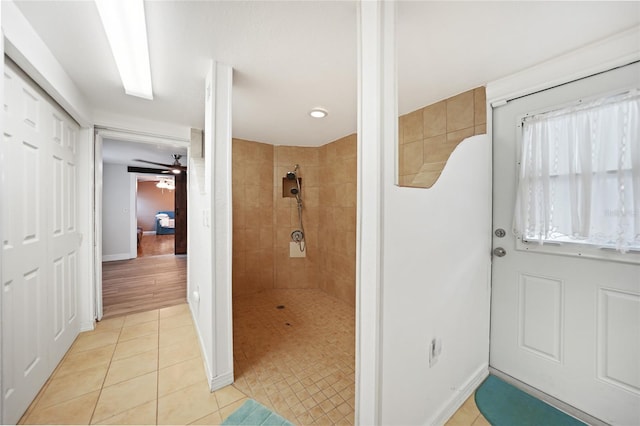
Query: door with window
(565, 312)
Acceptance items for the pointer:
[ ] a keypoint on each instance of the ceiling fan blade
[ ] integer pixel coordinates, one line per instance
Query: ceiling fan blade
(153, 162)
(168, 166)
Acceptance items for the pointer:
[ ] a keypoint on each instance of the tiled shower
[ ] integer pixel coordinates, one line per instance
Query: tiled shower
(263, 219)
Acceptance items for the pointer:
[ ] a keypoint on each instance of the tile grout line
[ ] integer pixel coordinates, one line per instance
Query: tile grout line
(93, 412)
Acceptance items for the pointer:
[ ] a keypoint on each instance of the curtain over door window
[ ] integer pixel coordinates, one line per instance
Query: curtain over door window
(579, 179)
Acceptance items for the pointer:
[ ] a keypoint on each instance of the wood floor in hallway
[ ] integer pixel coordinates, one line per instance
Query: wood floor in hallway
(143, 284)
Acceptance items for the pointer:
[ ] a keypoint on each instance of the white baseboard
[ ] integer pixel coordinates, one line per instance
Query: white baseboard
(221, 381)
(556, 403)
(457, 399)
(114, 257)
(87, 326)
(217, 382)
(149, 233)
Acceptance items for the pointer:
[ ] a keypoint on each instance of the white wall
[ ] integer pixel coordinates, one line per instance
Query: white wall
(436, 285)
(116, 213)
(210, 230)
(423, 258)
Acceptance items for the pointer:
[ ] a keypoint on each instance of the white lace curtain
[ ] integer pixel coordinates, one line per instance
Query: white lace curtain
(579, 175)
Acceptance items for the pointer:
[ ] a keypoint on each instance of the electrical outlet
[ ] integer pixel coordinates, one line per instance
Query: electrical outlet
(435, 349)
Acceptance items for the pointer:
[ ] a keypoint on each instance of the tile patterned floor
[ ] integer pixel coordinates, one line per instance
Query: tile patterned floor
(300, 360)
(146, 368)
(139, 369)
(468, 415)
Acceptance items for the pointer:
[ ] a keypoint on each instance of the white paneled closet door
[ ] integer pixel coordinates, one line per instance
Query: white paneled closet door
(41, 240)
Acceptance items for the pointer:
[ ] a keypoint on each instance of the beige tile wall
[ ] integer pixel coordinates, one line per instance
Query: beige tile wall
(429, 135)
(253, 216)
(263, 219)
(296, 272)
(338, 218)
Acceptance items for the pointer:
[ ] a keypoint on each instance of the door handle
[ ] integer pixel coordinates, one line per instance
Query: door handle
(499, 251)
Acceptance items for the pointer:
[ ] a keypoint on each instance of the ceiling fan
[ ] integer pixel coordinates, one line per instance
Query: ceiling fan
(175, 168)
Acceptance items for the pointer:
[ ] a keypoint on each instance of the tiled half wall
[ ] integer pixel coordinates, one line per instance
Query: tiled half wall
(263, 219)
(429, 135)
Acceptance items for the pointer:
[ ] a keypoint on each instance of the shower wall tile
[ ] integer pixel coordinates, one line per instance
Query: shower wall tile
(337, 215)
(253, 217)
(296, 272)
(428, 136)
(264, 219)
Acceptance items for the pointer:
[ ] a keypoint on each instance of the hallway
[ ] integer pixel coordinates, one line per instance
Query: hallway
(144, 368)
(143, 284)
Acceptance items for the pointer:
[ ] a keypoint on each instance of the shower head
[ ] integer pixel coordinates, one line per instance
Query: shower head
(292, 175)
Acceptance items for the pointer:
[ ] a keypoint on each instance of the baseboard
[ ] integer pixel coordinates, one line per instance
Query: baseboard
(457, 399)
(114, 257)
(216, 382)
(221, 381)
(87, 326)
(149, 233)
(554, 402)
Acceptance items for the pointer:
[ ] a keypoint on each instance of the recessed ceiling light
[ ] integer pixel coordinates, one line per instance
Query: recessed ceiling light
(318, 113)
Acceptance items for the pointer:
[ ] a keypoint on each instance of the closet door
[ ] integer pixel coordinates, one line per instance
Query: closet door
(41, 240)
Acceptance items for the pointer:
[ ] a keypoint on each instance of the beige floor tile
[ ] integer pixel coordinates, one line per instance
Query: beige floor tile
(227, 395)
(74, 362)
(110, 324)
(138, 330)
(174, 310)
(211, 419)
(92, 340)
(135, 347)
(180, 375)
(173, 336)
(229, 409)
(134, 366)
(179, 320)
(75, 411)
(174, 354)
(147, 316)
(481, 421)
(144, 414)
(187, 405)
(123, 396)
(72, 385)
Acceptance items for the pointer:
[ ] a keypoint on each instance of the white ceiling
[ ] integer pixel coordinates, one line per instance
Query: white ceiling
(291, 56)
(123, 152)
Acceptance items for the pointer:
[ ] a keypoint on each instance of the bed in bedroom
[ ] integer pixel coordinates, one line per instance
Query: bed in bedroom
(165, 223)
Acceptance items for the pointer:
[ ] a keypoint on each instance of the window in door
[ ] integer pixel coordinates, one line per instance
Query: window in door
(579, 178)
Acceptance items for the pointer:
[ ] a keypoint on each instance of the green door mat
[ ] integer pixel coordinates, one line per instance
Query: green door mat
(253, 414)
(505, 405)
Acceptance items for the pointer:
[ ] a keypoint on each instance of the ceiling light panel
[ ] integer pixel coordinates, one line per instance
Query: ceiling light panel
(125, 25)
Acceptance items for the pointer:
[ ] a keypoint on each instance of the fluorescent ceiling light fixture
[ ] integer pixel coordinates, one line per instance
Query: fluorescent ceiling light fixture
(318, 113)
(126, 28)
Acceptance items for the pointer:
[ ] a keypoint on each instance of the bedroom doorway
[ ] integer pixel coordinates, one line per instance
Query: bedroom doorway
(141, 222)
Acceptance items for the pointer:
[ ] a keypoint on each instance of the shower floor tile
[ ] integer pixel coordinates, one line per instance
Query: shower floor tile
(298, 360)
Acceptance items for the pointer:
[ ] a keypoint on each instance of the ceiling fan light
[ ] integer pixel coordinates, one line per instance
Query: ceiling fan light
(176, 171)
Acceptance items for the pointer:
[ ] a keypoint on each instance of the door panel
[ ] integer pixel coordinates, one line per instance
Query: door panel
(180, 203)
(566, 325)
(39, 276)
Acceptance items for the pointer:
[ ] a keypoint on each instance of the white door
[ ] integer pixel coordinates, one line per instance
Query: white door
(41, 240)
(565, 324)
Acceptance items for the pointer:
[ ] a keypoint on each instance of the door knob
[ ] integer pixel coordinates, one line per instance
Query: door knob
(499, 251)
